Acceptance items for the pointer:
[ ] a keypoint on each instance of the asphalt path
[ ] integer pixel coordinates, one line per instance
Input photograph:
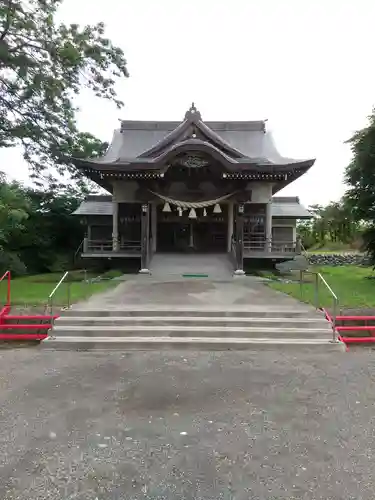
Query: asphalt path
(186, 425)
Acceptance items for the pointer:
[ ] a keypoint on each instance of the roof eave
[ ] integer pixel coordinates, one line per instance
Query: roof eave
(299, 169)
(89, 170)
(162, 161)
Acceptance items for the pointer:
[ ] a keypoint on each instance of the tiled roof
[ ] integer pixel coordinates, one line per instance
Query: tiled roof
(290, 210)
(94, 208)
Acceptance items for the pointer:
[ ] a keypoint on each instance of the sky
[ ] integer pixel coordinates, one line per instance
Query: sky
(304, 65)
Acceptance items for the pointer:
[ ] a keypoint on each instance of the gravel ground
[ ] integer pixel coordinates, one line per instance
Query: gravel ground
(186, 425)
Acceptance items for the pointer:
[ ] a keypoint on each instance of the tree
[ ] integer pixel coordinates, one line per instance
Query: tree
(38, 233)
(360, 178)
(43, 65)
(331, 224)
(14, 207)
(319, 224)
(52, 234)
(360, 173)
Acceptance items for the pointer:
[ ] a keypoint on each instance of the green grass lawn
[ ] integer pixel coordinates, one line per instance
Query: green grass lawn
(350, 283)
(35, 290)
(333, 248)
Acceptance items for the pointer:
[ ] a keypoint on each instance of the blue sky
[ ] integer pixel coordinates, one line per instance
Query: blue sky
(304, 65)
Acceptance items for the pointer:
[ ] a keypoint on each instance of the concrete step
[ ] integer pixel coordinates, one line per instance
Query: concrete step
(135, 327)
(172, 330)
(192, 343)
(240, 312)
(195, 321)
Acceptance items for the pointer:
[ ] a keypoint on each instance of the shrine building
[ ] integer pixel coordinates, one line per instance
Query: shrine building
(192, 187)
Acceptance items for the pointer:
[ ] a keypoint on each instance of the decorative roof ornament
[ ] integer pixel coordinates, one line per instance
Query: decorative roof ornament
(193, 113)
(192, 161)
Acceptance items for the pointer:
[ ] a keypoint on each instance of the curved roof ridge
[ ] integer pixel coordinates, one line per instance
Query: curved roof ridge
(215, 137)
(192, 145)
(167, 140)
(192, 119)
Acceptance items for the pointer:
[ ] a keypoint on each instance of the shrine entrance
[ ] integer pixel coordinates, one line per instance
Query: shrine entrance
(201, 234)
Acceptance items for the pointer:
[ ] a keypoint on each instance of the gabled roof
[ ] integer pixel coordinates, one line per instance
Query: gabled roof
(150, 147)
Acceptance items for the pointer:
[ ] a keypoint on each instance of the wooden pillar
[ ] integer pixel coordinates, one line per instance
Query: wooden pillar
(230, 226)
(115, 226)
(269, 226)
(294, 229)
(154, 226)
(145, 238)
(191, 235)
(239, 240)
(298, 245)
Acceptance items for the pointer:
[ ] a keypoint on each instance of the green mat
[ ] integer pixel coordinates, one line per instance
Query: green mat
(195, 275)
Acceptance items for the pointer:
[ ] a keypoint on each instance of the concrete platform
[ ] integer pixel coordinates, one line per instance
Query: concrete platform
(149, 292)
(215, 266)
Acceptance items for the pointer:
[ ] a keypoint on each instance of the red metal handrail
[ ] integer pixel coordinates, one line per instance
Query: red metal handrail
(353, 340)
(5, 316)
(356, 318)
(7, 273)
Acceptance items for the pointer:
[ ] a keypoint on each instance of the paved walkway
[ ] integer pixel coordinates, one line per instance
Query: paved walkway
(216, 266)
(242, 292)
(192, 426)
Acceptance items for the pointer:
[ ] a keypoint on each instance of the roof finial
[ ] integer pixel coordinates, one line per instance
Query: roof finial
(192, 113)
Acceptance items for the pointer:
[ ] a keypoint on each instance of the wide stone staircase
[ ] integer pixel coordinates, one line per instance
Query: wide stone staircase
(196, 328)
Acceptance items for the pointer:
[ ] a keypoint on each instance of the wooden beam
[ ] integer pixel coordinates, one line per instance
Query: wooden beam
(145, 238)
(115, 226)
(154, 225)
(230, 226)
(239, 240)
(269, 226)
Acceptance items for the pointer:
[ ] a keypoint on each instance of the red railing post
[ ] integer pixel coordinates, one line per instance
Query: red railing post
(8, 293)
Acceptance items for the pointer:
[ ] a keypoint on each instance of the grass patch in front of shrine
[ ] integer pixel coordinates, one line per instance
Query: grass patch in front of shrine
(353, 285)
(34, 290)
